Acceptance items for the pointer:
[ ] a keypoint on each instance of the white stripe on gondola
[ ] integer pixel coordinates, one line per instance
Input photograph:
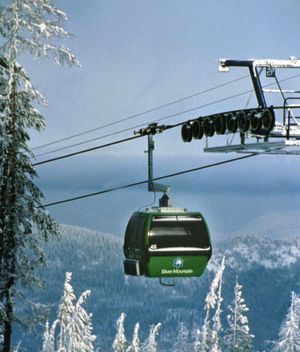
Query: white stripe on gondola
(180, 249)
(175, 218)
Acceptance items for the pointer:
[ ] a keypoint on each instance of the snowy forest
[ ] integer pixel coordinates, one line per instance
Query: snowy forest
(72, 330)
(28, 231)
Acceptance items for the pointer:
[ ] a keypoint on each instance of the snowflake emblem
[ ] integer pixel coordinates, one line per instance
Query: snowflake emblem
(178, 263)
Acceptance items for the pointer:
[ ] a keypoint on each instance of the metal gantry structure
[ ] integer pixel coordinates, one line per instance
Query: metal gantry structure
(265, 128)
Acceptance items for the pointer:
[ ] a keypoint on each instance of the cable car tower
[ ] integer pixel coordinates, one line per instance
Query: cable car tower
(268, 128)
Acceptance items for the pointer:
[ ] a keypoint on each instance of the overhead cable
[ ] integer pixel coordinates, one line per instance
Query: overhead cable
(140, 113)
(160, 119)
(87, 150)
(89, 140)
(137, 126)
(145, 181)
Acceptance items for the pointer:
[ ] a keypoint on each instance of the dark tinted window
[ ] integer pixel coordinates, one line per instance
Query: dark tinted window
(178, 231)
(135, 231)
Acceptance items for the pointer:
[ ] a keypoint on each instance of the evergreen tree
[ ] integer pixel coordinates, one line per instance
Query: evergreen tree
(75, 326)
(65, 311)
(135, 339)
(182, 342)
(238, 337)
(47, 340)
(154, 332)
(204, 337)
(79, 337)
(120, 343)
(49, 337)
(150, 344)
(217, 325)
(289, 334)
(25, 26)
(135, 346)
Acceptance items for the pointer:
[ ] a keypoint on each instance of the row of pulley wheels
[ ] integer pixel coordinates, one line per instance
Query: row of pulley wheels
(242, 121)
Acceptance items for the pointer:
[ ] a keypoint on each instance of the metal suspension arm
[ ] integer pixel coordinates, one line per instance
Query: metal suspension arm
(150, 131)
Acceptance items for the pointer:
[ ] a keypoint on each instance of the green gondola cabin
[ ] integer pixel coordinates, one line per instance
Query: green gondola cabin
(166, 242)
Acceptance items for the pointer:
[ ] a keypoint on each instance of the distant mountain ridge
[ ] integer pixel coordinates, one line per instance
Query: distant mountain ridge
(268, 270)
(243, 252)
(273, 224)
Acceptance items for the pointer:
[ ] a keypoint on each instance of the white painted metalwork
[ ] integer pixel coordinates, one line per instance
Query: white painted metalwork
(287, 124)
(179, 249)
(292, 63)
(287, 147)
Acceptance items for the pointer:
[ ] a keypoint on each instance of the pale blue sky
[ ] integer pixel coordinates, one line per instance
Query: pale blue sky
(136, 55)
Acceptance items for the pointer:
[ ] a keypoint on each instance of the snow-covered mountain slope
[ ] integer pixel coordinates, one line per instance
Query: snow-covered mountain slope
(268, 270)
(244, 252)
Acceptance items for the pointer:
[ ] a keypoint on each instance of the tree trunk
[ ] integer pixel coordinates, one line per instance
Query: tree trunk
(8, 233)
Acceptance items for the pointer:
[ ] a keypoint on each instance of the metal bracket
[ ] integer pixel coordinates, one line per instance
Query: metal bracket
(225, 64)
(151, 130)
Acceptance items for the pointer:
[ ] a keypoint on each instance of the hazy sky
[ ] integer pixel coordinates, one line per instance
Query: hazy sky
(137, 55)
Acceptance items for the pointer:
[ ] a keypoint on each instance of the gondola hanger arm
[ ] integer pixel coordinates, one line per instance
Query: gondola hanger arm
(151, 130)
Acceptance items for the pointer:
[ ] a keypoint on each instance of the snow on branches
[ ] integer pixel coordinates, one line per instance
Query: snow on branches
(74, 323)
(35, 27)
(238, 337)
(289, 334)
(208, 337)
(120, 342)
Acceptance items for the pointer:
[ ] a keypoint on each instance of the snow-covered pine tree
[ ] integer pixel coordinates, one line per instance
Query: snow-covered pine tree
(47, 340)
(120, 343)
(75, 326)
(49, 337)
(65, 311)
(238, 337)
(79, 337)
(136, 339)
(215, 345)
(135, 346)
(182, 341)
(150, 345)
(289, 334)
(203, 340)
(32, 26)
(154, 332)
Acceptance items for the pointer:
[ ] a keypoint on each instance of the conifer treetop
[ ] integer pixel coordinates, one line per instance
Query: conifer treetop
(238, 335)
(289, 334)
(36, 26)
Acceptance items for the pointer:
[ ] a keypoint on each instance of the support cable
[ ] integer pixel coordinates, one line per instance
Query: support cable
(141, 113)
(86, 150)
(146, 181)
(158, 120)
(148, 123)
(100, 146)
